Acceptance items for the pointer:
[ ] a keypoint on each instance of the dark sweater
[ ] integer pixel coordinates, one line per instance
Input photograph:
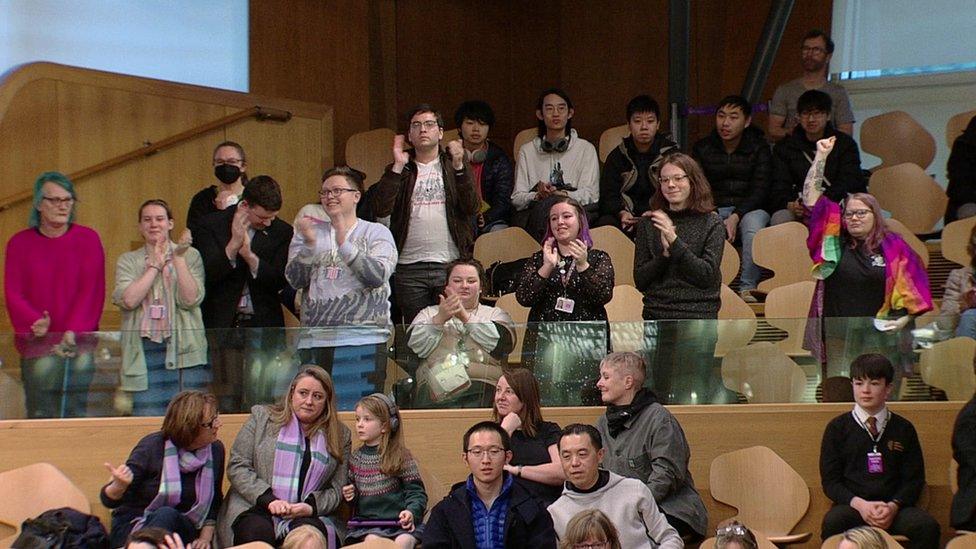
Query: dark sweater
(961, 169)
(740, 178)
(535, 451)
(687, 284)
(146, 463)
(844, 469)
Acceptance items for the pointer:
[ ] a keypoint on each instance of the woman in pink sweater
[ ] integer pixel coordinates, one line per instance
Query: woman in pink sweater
(54, 283)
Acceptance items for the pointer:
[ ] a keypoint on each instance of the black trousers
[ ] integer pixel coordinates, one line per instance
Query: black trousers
(258, 525)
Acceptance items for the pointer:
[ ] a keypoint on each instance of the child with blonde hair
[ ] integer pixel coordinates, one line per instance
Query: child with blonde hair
(386, 487)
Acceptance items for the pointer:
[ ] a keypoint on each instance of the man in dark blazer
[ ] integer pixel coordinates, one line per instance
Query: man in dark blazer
(963, 511)
(244, 249)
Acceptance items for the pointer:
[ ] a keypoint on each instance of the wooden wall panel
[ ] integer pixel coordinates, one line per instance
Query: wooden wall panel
(79, 447)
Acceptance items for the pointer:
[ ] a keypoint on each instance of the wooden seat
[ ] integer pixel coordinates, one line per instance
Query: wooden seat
(378, 543)
(769, 495)
(370, 152)
(762, 542)
(911, 195)
(956, 125)
(763, 374)
(521, 138)
(895, 137)
(948, 365)
(892, 542)
(505, 245)
(787, 308)
(621, 249)
(736, 322)
(254, 545)
(730, 263)
(520, 316)
(435, 487)
(625, 313)
(955, 239)
(908, 236)
(783, 250)
(964, 541)
(610, 139)
(30, 490)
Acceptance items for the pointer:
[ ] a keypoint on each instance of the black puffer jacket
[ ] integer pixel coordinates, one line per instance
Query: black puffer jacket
(497, 181)
(626, 167)
(962, 171)
(739, 179)
(791, 162)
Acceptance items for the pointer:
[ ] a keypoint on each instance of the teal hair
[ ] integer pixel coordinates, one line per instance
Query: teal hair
(58, 179)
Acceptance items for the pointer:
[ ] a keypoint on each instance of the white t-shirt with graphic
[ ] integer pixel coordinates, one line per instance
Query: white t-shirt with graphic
(428, 237)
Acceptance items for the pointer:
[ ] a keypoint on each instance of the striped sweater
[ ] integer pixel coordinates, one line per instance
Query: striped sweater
(380, 496)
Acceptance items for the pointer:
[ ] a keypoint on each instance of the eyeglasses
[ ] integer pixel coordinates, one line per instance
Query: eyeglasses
(210, 424)
(560, 108)
(494, 452)
(593, 545)
(326, 193)
(734, 529)
(860, 214)
(426, 124)
(59, 201)
(231, 161)
(674, 178)
(814, 49)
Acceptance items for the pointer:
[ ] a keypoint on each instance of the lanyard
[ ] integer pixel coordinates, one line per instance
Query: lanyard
(333, 243)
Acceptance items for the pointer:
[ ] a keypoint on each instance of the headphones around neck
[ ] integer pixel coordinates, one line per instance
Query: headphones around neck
(392, 408)
(478, 156)
(560, 146)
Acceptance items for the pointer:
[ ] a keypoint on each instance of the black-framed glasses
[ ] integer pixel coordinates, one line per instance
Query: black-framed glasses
(860, 214)
(59, 201)
(228, 161)
(326, 193)
(493, 452)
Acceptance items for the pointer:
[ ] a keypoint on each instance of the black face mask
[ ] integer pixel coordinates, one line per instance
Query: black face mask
(227, 173)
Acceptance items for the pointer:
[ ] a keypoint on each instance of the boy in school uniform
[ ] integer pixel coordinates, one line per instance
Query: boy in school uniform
(871, 463)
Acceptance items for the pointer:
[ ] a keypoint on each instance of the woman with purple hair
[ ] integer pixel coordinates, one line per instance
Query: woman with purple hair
(870, 283)
(566, 285)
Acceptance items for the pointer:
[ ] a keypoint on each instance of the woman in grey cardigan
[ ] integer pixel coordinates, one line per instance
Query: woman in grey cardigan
(288, 466)
(159, 288)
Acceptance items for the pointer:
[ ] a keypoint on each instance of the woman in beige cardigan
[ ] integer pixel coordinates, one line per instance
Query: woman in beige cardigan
(159, 288)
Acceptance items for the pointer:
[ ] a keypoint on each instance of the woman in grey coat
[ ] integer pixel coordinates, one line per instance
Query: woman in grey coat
(288, 466)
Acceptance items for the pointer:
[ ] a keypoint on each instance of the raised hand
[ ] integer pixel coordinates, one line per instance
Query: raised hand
(184, 243)
(40, 326)
(664, 224)
(550, 252)
(160, 252)
(121, 475)
(577, 249)
(456, 150)
(824, 146)
(306, 228)
(400, 157)
(225, 199)
(173, 541)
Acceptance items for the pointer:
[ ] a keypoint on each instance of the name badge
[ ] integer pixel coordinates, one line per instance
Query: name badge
(332, 273)
(875, 463)
(565, 305)
(157, 312)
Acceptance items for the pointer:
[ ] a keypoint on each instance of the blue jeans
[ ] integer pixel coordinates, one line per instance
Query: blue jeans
(749, 225)
(967, 324)
(56, 386)
(165, 383)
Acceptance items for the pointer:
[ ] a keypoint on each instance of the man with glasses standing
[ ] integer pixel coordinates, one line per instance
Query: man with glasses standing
(793, 155)
(489, 510)
(432, 201)
(815, 56)
(628, 502)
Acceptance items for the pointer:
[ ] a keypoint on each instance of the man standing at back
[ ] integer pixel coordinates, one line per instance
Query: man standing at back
(815, 56)
(644, 441)
(431, 199)
(556, 163)
(491, 169)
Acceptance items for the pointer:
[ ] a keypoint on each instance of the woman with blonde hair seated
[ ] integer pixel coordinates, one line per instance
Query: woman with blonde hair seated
(590, 529)
(304, 537)
(862, 537)
(735, 535)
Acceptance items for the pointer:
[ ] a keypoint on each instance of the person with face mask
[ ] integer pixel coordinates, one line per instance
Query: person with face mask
(230, 167)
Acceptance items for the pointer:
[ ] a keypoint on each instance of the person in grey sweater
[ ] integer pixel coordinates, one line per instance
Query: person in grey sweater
(645, 442)
(628, 502)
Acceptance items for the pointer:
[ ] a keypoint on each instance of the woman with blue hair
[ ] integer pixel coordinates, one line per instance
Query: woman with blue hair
(54, 284)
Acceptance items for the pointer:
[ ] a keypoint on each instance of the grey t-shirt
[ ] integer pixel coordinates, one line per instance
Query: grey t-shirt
(785, 97)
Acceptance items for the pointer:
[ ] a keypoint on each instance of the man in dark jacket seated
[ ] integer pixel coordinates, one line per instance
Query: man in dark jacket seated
(630, 173)
(738, 164)
(793, 155)
(489, 510)
(491, 168)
